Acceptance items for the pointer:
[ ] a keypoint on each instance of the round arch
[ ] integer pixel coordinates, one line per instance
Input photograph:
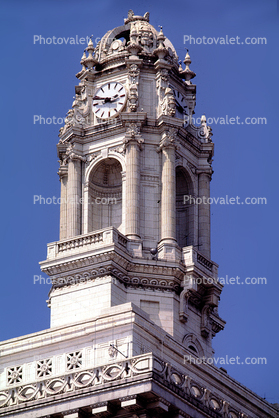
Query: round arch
(185, 208)
(103, 194)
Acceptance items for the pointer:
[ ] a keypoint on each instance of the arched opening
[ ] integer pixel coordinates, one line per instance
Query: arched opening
(105, 195)
(184, 208)
(191, 342)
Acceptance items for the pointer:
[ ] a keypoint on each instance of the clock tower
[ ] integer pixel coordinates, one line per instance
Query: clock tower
(134, 290)
(131, 168)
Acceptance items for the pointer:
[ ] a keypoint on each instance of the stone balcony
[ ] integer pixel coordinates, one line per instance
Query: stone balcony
(86, 242)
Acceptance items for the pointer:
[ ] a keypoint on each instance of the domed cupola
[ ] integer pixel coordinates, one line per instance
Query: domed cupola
(137, 37)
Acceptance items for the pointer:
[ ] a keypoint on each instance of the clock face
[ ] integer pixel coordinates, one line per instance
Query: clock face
(180, 101)
(109, 100)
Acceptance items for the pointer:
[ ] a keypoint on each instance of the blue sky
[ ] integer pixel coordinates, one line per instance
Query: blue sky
(234, 80)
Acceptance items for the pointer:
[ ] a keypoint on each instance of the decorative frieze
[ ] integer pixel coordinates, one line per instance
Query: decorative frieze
(145, 366)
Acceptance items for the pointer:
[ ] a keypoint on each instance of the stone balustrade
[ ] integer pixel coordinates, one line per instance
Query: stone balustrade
(82, 243)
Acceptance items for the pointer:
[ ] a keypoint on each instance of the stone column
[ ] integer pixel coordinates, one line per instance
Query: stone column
(133, 142)
(167, 247)
(168, 202)
(74, 198)
(63, 204)
(204, 213)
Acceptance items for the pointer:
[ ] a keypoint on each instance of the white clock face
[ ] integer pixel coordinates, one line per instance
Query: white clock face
(109, 100)
(180, 101)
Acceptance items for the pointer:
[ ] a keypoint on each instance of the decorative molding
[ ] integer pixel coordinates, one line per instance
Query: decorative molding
(143, 366)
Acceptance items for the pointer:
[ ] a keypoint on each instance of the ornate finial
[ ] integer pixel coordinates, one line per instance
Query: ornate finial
(83, 58)
(161, 36)
(133, 46)
(132, 17)
(161, 51)
(146, 16)
(90, 60)
(187, 61)
(187, 73)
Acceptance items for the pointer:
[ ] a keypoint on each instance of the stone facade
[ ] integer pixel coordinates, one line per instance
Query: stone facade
(126, 305)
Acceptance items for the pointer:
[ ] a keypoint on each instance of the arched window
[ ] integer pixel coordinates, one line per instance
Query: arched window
(184, 208)
(105, 195)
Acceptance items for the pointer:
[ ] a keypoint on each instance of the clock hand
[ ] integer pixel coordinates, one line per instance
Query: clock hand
(116, 97)
(110, 99)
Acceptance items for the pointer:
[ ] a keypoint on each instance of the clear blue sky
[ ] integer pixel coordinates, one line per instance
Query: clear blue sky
(234, 80)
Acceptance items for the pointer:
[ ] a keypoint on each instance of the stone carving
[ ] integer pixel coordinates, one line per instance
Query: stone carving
(133, 98)
(205, 131)
(112, 352)
(133, 87)
(205, 321)
(74, 382)
(14, 375)
(81, 107)
(71, 155)
(132, 134)
(134, 73)
(145, 36)
(133, 130)
(133, 45)
(44, 367)
(79, 114)
(183, 312)
(168, 103)
(161, 51)
(169, 139)
(92, 157)
(74, 360)
(119, 150)
(131, 17)
(69, 121)
(161, 85)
